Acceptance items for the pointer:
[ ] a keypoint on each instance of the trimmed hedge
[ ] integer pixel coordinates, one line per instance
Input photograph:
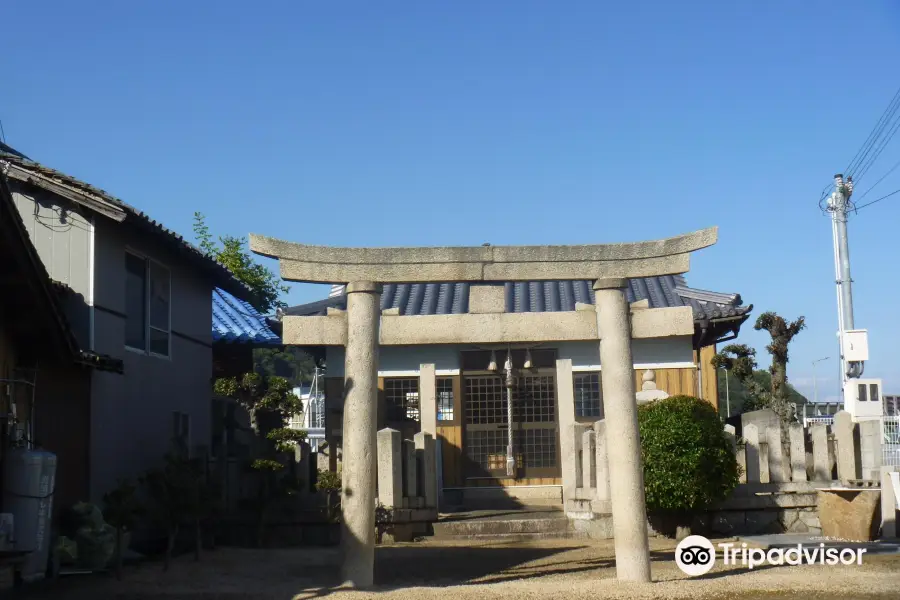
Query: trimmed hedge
(688, 460)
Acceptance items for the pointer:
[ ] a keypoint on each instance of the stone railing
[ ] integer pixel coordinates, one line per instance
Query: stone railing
(779, 481)
(407, 485)
(842, 453)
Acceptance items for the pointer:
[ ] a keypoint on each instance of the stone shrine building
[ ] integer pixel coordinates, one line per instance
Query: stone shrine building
(469, 396)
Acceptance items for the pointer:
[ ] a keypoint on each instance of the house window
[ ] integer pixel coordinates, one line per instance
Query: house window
(148, 291)
(181, 432)
(588, 395)
(444, 399)
(402, 396)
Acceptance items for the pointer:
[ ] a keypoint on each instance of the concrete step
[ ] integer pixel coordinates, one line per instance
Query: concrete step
(516, 526)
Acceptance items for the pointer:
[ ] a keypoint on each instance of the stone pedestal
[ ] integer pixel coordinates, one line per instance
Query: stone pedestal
(626, 475)
(359, 432)
(850, 514)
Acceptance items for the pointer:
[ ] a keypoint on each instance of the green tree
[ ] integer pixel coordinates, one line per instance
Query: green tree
(175, 493)
(232, 252)
(740, 361)
(735, 395)
(270, 402)
(290, 362)
(688, 461)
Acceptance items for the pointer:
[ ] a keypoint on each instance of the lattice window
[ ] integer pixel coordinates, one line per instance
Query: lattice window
(445, 399)
(539, 447)
(534, 399)
(485, 400)
(535, 448)
(402, 398)
(487, 449)
(588, 395)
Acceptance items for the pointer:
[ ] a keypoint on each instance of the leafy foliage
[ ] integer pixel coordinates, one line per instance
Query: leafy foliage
(293, 364)
(688, 460)
(740, 361)
(329, 483)
(177, 496)
(232, 252)
(121, 509)
(270, 402)
(739, 398)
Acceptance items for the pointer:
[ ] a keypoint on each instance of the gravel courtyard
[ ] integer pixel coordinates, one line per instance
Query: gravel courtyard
(457, 570)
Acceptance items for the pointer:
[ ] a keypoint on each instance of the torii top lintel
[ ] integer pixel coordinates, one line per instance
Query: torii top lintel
(326, 264)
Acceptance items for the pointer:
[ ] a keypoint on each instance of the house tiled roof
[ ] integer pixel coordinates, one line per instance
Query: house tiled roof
(542, 296)
(236, 321)
(222, 276)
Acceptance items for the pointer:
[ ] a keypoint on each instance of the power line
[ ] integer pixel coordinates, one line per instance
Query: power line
(881, 147)
(891, 170)
(879, 200)
(866, 147)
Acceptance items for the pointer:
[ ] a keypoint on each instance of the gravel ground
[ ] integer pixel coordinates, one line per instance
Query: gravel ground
(545, 569)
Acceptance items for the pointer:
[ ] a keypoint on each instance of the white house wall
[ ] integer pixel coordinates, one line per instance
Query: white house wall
(670, 352)
(61, 234)
(659, 353)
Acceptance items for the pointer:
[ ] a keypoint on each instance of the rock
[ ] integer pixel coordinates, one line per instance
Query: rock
(849, 515)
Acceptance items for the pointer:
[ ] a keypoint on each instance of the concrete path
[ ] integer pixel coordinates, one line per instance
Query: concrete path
(466, 571)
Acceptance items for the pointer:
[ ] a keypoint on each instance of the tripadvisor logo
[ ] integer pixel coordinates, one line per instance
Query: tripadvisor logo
(695, 555)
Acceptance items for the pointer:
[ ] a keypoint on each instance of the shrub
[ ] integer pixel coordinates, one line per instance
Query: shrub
(329, 483)
(688, 460)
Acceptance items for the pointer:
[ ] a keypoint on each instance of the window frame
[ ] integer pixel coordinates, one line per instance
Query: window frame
(454, 414)
(391, 408)
(587, 418)
(148, 328)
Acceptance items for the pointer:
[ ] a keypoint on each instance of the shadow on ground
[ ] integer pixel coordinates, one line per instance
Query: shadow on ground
(231, 573)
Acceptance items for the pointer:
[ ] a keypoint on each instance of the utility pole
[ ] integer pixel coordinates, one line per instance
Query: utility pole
(838, 206)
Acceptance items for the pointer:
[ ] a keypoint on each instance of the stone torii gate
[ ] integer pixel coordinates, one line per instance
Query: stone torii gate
(365, 269)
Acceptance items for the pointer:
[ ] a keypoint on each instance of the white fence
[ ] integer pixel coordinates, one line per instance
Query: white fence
(890, 441)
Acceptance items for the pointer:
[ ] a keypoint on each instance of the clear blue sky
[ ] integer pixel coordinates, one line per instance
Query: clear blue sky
(389, 123)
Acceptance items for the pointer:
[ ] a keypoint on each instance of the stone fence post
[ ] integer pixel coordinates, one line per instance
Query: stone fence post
(589, 459)
(601, 464)
(751, 438)
(870, 449)
(775, 454)
(798, 452)
(821, 463)
(410, 474)
(845, 432)
(425, 458)
(390, 477)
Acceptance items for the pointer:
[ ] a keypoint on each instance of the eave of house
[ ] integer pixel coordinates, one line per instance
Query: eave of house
(24, 170)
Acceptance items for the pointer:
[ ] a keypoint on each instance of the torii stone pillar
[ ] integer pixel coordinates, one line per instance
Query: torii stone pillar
(626, 477)
(359, 433)
(358, 330)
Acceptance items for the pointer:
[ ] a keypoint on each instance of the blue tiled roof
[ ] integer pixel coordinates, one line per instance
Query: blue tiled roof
(541, 296)
(236, 321)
